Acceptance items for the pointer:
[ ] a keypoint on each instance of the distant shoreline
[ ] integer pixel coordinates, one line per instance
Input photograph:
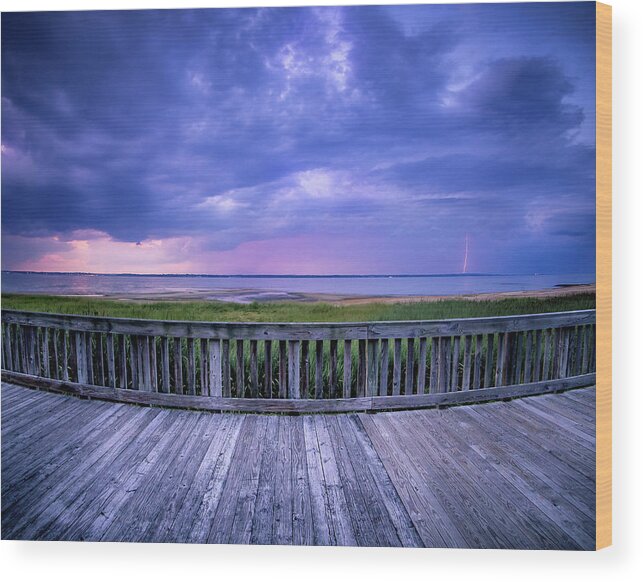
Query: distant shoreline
(242, 295)
(274, 276)
(558, 291)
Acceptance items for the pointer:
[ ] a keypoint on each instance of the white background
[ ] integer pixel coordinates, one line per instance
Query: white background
(115, 562)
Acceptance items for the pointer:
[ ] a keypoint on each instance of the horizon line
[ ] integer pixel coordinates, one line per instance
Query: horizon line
(291, 275)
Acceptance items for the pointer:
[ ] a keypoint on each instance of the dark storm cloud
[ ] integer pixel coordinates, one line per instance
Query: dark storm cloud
(232, 126)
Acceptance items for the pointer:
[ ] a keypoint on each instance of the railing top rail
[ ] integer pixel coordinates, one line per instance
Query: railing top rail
(300, 330)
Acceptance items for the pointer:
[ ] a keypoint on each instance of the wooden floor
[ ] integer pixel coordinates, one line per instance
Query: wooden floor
(516, 474)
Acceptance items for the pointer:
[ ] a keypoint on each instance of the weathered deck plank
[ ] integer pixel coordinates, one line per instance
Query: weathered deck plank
(514, 474)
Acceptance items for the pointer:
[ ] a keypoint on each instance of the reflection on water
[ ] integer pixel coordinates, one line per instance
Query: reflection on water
(266, 288)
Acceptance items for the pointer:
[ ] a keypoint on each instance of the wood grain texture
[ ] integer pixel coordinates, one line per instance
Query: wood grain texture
(294, 404)
(603, 275)
(301, 331)
(505, 475)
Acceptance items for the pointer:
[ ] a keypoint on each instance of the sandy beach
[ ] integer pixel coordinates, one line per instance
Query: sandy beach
(270, 296)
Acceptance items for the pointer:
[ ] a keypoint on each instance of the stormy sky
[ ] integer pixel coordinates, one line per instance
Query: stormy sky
(300, 140)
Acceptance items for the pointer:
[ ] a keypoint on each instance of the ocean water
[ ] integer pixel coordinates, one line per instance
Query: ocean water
(256, 288)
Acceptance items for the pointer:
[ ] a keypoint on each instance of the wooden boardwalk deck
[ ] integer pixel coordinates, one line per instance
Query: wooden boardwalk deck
(516, 474)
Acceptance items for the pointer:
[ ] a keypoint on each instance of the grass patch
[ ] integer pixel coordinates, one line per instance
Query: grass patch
(292, 311)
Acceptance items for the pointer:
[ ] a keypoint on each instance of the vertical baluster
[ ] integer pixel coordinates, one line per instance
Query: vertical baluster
(24, 349)
(578, 346)
(488, 364)
(384, 367)
(556, 351)
(333, 369)
(283, 362)
(455, 364)
(421, 373)
(133, 361)
(204, 354)
(564, 355)
(560, 353)
(8, 344)
(4, 365)
(538, 342)
(254, 370)
(477, 363)
(10, 341)
(500, 356)
(433, 372)
(14, 349)
(571, 354)
(65, 355)
(3, 353)
(137, 355)
(397, 366)
(178, 365)
(100, 360)
(81, 357)
(26, 335)
(154, 364)
(348, 371)
(46, 368)
(147, 364)
(410, 358)
(585, 350)
(361, 368)
(20, 362)
(165, 365)
(518, 359)
(294, 363)
(33, 362)
(89, 342)
(17, 354)
(448, 363)
(53, 349)
(111, 362)
(305, 372)
(443, 364)
(466, 366)
(122, 345)
(192, 368)
(35, 347)
(267, 369)
(547, 337)
(508, 358)
(225, 368)
(563, 349)
(529, 340)
(372, 367)
(73, 357)
(216, 382)
(240, 370)
(319, 369)
(140, 363)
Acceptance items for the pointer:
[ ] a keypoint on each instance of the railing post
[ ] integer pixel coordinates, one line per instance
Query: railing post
(372, 384)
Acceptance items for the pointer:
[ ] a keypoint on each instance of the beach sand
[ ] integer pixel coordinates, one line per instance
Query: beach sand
(266, 296)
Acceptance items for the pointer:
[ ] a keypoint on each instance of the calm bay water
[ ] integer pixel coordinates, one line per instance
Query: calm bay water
(246, 288)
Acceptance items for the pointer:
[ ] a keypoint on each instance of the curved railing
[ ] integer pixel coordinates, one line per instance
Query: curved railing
(300, 367)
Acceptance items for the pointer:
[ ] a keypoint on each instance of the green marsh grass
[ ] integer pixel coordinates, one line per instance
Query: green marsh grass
(293, 311)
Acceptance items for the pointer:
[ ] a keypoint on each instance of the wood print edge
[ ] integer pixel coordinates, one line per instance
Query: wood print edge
(603, 275)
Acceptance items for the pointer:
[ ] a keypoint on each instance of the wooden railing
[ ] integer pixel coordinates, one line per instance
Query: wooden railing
(300, 366)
